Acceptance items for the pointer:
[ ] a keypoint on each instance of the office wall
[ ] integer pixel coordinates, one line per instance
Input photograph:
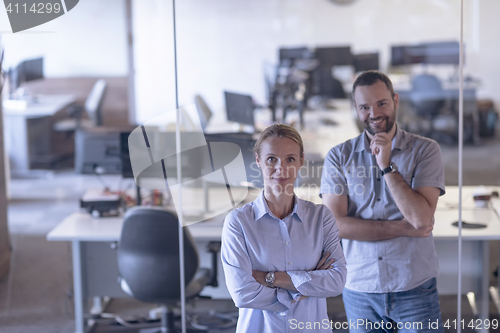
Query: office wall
(223, 44)
(90, 40)
(485, 48)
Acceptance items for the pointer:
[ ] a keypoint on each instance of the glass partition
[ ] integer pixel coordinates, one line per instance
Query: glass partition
(297, 61)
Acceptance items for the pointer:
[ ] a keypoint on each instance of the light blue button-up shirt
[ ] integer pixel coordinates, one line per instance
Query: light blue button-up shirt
(350, 169)
(254, 239)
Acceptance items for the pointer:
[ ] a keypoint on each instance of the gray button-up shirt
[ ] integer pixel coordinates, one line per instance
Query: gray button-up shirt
(350, 169)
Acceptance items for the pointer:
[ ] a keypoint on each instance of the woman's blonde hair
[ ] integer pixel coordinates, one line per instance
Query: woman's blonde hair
(279, 131)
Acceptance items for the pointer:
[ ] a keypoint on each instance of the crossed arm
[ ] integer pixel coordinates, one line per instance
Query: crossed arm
(283, 279)
(248, 288)
(417, 206)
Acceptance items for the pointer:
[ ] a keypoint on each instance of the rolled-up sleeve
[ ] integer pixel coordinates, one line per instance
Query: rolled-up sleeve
(330, 282)
(429, 170)
(244, 289)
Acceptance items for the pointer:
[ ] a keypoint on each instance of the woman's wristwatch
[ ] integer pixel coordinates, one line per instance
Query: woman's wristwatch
(270, 278)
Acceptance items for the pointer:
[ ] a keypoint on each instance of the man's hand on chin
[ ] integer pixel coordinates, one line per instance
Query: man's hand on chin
(381, 145)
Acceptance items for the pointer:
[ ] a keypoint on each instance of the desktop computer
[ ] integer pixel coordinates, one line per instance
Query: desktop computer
(239, 108)
(25, 71)
(246, 142)
(98, 151)
(288, 55)
(334, 56)
(438, 53)
(366, 61)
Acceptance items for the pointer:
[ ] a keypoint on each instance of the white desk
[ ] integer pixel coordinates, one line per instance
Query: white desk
(28, 129)
(475, 246)
(93, 244)
(95, 268)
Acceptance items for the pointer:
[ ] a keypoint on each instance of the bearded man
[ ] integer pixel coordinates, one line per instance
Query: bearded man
(383, 187)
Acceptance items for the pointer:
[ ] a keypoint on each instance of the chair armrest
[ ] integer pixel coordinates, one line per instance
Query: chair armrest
(214, 248)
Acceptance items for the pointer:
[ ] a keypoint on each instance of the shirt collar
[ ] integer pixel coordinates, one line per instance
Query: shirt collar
(398, 141)
(362, 142)
(260, 208)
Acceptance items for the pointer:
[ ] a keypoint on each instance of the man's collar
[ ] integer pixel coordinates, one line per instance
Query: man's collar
(260, 208)
(362, 143)
(398, 141)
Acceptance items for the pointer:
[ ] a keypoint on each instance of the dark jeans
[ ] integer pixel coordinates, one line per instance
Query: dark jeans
(415, 310)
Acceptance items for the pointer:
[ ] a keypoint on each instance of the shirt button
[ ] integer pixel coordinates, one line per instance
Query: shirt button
(304, 293)
(286, 243)
(380, 258)
(378, 179)
(289, 263)
(378, 199)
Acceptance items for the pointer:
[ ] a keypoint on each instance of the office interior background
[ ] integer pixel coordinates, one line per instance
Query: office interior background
(222, 46)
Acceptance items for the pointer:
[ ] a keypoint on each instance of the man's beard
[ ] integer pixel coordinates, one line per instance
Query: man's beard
(389, 123)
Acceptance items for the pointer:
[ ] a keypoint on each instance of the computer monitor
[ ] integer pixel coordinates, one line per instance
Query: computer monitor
(98, 151)
(27, 70)
(293, 53)
(334, 56)
(442, 53)
(246, 143)
(239, 108)
(366, 61)
(407, 55)
(439, 53)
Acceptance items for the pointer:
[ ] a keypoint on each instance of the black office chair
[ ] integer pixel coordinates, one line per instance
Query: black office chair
(148, 261)
(427, 99)
(326, 85)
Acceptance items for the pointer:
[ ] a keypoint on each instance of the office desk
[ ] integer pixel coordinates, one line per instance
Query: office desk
(28, 128)
(475, 246)
(95, 267)
(94, 241)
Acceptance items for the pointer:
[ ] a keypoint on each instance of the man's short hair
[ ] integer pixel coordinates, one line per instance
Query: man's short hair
(369, 78)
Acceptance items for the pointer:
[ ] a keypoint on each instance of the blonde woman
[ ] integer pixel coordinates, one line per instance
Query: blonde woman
(281, 255)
